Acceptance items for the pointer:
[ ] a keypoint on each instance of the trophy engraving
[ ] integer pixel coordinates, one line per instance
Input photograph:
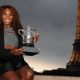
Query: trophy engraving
(28, 40)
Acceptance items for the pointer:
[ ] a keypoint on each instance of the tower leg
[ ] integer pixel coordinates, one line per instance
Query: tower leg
(74, 63)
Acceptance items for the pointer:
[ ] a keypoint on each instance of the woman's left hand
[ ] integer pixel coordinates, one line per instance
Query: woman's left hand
(36, 37)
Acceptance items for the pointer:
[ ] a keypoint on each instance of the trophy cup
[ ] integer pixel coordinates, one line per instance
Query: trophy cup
(28, 41)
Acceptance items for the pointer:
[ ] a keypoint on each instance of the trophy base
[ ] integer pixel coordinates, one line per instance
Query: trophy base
(30, 51)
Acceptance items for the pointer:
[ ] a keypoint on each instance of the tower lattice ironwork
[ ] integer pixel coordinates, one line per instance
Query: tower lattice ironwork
(74, 62)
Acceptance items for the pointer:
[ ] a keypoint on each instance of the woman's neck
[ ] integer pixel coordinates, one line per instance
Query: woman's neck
(7, 26)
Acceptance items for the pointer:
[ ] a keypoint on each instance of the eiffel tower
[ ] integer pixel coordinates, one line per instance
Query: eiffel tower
(74, 62)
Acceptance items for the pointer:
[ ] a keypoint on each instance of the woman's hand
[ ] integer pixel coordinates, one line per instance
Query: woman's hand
(16, 51)
(36, 37)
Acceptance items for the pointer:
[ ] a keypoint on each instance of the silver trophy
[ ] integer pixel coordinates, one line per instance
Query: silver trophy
(28, 40)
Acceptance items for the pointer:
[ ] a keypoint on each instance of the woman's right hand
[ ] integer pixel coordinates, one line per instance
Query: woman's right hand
(16, 51)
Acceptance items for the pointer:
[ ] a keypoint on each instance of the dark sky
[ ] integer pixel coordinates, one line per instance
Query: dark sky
(55, 20)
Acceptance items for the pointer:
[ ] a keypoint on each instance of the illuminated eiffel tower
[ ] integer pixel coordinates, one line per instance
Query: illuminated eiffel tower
(74, 63)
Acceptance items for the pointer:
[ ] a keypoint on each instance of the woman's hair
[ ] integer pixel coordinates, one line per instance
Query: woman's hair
(15, 24)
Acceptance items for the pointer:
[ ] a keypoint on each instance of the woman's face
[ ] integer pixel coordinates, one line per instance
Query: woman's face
(7, 17)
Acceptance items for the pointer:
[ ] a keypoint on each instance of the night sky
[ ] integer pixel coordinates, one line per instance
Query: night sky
(55, 20)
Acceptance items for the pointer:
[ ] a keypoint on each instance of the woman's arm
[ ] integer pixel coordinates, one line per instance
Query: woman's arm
(8, 51)
(5, 52)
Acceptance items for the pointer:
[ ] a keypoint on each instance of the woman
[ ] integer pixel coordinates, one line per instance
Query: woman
(12, 64)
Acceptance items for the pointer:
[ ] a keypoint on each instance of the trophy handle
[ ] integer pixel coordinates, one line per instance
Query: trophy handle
(20, 31)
